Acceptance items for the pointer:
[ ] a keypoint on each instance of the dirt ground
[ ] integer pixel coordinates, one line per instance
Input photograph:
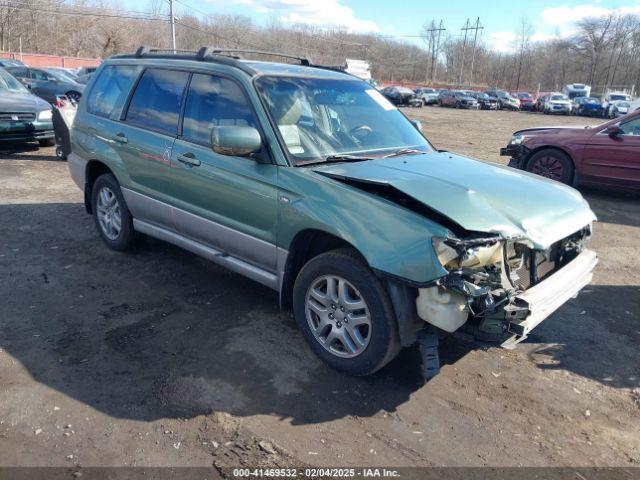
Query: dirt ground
(158, 357)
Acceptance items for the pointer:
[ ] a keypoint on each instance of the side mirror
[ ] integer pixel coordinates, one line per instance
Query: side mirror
(235, 141)
(417, 124)
(613, 130)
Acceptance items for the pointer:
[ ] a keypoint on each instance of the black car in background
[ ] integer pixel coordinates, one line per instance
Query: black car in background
(23, 116)
(485, 102)
(401, 96)
(48, 84)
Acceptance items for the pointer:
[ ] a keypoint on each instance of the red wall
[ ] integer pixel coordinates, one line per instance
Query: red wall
(43, 60)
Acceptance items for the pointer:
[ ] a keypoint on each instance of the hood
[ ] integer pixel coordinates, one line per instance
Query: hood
(560, 129)
(477, 196)
(22, 102)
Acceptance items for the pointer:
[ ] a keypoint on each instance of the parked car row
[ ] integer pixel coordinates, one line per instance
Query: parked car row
(612, 105)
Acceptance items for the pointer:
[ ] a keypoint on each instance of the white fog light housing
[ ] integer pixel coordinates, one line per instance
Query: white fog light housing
(45, 115)
(446, 255)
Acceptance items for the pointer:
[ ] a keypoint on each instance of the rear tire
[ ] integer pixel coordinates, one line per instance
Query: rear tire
(73, 95)
(60, 153)
(111, 214)
(323, 311)
(553, 164)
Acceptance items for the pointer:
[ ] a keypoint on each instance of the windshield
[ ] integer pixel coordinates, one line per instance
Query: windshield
(9, 84)
(618, 97)
(558, 97)
(524, 95)
(318, 118)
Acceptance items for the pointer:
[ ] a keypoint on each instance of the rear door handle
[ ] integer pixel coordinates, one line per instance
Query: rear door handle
(189, 159)
(121, 138)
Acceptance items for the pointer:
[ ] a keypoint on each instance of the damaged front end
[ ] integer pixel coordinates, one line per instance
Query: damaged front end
(498, 285)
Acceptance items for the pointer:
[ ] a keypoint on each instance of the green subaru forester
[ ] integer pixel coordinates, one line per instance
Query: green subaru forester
(309, 181)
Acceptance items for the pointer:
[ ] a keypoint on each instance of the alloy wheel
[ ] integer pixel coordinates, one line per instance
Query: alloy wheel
(109, 215)
(548, 166)
(338, 316)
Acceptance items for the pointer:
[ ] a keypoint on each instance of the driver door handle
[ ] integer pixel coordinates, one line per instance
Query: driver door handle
(188, 159)
(121, 138)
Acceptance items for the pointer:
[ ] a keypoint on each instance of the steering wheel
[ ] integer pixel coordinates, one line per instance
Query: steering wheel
(360, 131)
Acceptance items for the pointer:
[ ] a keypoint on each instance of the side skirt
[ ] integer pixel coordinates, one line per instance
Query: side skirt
(223, 259)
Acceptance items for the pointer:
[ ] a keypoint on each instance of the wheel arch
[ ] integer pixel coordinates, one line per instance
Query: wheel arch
(93, 170)
(310, 243)
(305, 245)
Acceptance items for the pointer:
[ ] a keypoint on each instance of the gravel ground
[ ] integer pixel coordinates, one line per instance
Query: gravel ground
(157, 357)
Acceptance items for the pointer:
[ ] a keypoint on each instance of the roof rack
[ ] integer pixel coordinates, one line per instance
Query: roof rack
(204, 54)
(303, 60)
(225, 56)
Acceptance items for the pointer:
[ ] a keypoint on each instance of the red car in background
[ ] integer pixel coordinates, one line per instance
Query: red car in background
(604, 155)
(527, 101)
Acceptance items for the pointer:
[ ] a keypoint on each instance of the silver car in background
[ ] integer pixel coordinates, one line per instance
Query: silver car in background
(557, 103)
(428, 95)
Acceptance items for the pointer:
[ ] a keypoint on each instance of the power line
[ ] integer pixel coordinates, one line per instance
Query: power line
(83, 14)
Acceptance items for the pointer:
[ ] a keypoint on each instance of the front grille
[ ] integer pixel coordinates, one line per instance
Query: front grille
(536, 266)
(17, 117)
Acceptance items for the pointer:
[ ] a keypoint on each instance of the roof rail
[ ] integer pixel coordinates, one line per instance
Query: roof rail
(204, 54)
(212, 50)
(224, 56)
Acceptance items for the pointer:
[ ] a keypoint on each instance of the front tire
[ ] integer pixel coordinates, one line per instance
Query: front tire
(345, 314)
(553, 164)
(47, 142)
(111, 214)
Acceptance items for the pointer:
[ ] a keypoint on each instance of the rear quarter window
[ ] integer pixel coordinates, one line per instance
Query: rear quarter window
(109, 89)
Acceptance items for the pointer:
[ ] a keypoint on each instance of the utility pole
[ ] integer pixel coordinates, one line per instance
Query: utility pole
(464, 29)
(434, 44)
(172, 19)
(477, 28)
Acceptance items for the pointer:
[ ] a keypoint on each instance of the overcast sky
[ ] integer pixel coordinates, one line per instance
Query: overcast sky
(405, 17)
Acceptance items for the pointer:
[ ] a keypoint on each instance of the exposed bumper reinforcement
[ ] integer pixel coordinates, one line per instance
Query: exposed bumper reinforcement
(546, 297)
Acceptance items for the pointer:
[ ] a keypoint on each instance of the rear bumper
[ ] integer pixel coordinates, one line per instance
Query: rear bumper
(77, 168)
(546, 297)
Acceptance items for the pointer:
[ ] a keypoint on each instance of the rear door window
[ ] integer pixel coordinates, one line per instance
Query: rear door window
(40, 75)
(157, 101)
(214, 101)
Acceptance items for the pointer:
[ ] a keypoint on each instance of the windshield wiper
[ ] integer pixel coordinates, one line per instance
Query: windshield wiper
(403, 151)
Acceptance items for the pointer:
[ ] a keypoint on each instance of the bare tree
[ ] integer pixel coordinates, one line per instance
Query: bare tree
(523, 42)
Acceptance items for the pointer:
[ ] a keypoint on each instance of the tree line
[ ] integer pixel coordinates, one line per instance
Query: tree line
(603, 52)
